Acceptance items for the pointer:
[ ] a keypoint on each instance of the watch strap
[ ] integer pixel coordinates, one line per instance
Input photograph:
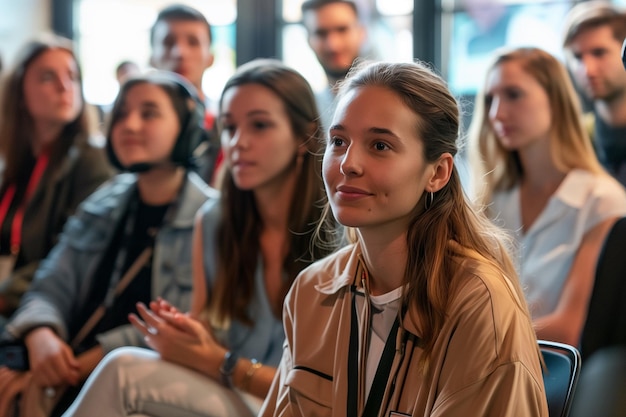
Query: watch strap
(228, 368)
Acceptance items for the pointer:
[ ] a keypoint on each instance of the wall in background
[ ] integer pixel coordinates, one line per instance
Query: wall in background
(19, 22)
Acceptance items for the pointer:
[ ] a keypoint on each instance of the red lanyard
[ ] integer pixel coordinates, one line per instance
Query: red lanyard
(18, 218)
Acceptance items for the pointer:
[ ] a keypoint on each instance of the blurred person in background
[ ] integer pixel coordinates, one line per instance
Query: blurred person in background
(126, 69)
(249, 245)
(539, 178)
(49, 162)
(180, 39)
(135, 231)
(594, 34)
(337, 37)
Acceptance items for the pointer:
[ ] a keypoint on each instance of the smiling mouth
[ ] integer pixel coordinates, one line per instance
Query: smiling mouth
(502, 131)
(351, 193)
(242, 164)
(131, 143)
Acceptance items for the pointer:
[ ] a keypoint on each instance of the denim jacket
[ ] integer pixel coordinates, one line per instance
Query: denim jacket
(65, 278)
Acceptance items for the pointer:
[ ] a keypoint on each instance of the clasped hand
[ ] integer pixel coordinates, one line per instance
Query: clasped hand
(52, 364)
(178, 337)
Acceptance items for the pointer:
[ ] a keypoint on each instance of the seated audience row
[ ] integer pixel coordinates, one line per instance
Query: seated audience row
(49, 164)
(226, 351)
(392, 278)
(129, 242)
(423, 269)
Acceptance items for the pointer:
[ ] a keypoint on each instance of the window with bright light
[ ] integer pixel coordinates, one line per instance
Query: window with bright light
(112, 31)
(389, 36)
(474, 29)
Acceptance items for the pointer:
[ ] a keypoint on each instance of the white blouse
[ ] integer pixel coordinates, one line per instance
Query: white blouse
(547, 250)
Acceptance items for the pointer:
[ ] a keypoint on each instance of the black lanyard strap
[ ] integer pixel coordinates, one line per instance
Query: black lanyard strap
(375, 398)
(377, 391)
(353, 362)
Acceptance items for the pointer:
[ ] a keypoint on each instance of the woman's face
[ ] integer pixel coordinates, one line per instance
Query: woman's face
(374, 169)
(518, 106)
(258, 141)
(52, 88)
(147, 126)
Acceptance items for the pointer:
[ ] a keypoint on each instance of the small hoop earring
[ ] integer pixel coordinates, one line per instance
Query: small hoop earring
(299, 160)
(428, 200)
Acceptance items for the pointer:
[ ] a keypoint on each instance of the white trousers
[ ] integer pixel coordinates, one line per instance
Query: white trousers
(136, 382)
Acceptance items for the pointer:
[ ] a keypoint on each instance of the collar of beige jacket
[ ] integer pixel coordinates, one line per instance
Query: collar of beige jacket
(342, 272)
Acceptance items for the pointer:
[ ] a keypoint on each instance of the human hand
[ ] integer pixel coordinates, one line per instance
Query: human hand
(161, 306)
(52, 361)
(180, 339)
(12, 383)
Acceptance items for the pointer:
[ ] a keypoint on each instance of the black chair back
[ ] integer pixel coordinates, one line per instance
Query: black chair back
(560, 375)
(605, 324)
(601, 389)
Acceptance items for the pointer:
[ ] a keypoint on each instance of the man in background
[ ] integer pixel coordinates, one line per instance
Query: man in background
(594, 35)
(126, 69)
(336, 36)
(180, 40)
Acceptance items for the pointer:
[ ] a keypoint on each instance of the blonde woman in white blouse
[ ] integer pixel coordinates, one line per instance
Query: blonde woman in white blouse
(539, 178)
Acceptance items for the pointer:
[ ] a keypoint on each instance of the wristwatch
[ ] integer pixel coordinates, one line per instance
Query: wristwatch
(228, 368)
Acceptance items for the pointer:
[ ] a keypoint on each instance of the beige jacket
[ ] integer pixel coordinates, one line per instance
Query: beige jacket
(485, 361)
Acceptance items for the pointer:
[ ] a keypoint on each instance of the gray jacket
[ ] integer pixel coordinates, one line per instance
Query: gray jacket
(64, 279)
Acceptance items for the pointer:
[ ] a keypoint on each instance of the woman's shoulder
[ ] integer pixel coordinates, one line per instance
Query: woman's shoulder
(195, 194)
(90, 158)
(88, 149)
(211, 210)
(109, 193)
(485, 310)
(608, 187)
(333, 272)
(100, 212)
(602, 185)
(481, 284)
(600, 193)
(201, 186)
(208, 218)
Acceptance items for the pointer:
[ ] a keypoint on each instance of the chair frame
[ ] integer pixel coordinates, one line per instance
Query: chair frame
(552, 350)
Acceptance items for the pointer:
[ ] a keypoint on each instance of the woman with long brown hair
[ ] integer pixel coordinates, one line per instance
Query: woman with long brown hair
(128, 242)
(48, 163)
(220, 359)
(422, 315)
